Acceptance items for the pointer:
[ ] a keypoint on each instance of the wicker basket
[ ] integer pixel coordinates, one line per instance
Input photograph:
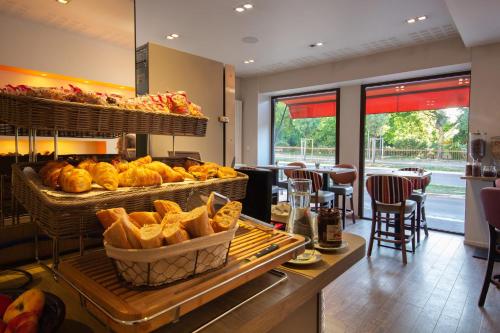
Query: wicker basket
(45, 114)
(72, 217)
(156, 267)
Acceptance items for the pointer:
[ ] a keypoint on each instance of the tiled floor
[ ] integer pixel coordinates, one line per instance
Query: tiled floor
(436, 292)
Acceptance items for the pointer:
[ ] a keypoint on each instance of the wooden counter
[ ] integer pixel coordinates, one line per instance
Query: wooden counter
(292, 306)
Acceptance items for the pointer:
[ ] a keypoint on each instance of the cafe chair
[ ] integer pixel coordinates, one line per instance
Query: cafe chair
(288, 174)
(319, 196)
(419, 196)
(390, 196)
(343, 184)
(490, 197)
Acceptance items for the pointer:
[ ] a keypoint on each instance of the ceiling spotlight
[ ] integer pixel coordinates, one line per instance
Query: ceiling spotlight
(64, 2)
(316, 44)
(239, 9)
(410, 21)
(170, 37)
(249, 61)
(248, 6)
(175, 35)
(421, 18)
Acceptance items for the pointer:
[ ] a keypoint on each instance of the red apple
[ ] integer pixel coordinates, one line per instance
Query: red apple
(26, 322)
(31, 300)
(4, 304)
(3, 326)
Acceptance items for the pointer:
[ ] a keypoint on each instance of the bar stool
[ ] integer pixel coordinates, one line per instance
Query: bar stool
(490, 198)
(343, 186)
(419, 197)
(390, 196)
(319, 196)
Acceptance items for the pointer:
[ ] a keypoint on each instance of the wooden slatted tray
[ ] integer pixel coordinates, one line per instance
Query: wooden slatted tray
(128, 310)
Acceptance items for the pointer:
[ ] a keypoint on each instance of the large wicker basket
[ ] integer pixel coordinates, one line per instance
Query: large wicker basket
(46, 114)
(72, 217)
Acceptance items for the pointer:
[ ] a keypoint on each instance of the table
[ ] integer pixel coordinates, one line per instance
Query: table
(275, 168)
(406, 174)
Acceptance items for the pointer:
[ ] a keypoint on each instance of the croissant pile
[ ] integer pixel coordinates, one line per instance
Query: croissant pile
(121, 173)
(168, 225)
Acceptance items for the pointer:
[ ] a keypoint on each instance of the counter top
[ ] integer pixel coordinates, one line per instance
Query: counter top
(485, 179)
(261, 314)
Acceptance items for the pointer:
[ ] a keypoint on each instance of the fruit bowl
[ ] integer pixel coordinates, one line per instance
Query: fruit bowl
(53, 313)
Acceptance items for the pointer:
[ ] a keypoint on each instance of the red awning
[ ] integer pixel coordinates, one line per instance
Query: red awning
(313, 106)
(419, 96)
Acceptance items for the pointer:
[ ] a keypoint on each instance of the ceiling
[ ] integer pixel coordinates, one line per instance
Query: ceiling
(284, 28)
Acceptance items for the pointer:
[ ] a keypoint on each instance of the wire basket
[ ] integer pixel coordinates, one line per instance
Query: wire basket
(167, 264)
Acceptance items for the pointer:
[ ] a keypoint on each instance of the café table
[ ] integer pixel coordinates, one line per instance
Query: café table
(275, 168)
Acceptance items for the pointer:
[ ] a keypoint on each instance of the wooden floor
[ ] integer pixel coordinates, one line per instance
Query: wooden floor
(437, 291)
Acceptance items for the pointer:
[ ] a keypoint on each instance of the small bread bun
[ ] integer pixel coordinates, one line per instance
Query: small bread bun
(108, 216)
(143, 218)
(166, 206)
(196, 222)
(115, 236)
(151, 236)
(174, 233)
(227, 217)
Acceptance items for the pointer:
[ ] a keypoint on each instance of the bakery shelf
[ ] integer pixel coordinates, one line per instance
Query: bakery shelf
(50, 115)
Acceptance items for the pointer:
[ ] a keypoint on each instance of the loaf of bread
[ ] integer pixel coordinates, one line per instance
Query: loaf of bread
(151, 236)
(75, 180)
(143, 218)
(50, 173)
(132, 231)
(166, 207)
(105, 174)
(108, 216)
(139, 176)
(116, 236)
(227, 217)
(173, 233)
(168, 175)
(196, 222)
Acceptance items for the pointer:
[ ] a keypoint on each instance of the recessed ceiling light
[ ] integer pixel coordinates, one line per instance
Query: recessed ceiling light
(249, 61)
(410, 21)
(248, 6)
(175, 35)
(239, 9)
(421, 18)
(64, 2)
(317, 44)
(170, 37)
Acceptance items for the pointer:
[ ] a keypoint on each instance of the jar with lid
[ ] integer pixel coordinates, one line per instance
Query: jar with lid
(329, 228)
(468, 169)
(489, 171)
(477, 146)
(476, 169)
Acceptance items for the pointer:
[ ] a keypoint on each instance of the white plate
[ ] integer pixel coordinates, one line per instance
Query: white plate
(314, 258)
(343, 246)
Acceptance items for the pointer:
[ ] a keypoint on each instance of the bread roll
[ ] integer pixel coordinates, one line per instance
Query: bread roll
(227, 217)
(74, 180)
(115, 236)
(166, 206)
(168, 175)
(108, 216)
(173, 233)
(133, 233)
(139, 176)
(184, 173)
(50, 173)
(151, 236)
(105, 174)
(142, 218)
(196, 222)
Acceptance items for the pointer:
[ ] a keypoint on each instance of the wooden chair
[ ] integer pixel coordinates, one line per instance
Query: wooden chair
(419, 196)
(343, 184)
(319, 196)
(389, 196)
(490, 198)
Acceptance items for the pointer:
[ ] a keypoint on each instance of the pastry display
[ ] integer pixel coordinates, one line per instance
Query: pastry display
(169, 225)
(75, 180)
(170, 102)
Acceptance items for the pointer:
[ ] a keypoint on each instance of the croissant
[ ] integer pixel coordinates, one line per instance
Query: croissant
(87, 164)
(75, 180)
(120, 165)
(141, 161)
(167, 173)
(184, 173)
(105, 174)
(139, 176)
(50, 173)
(226, 172)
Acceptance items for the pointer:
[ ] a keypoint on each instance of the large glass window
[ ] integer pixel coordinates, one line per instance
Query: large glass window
(305, 128)
(421, 124)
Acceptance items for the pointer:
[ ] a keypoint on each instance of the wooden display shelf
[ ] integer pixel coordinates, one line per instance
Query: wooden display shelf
(94, 277)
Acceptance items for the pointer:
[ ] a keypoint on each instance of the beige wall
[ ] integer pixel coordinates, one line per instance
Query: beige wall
(39, 47)
(202, 79)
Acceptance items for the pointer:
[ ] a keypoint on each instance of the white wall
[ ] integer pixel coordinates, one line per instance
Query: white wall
(35, 46)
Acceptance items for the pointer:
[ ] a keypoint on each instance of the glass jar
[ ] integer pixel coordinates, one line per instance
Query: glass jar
(329, 227)
(495, 147)
(299, 195)
(477, 146)
(476, 169)
(489, 171)
(468, 169)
